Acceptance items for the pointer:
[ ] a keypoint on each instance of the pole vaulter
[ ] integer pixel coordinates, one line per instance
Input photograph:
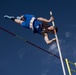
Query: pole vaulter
(36, 25)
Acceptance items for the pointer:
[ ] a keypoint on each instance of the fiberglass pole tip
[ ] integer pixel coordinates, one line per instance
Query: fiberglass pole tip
(75, 64)
(51, 13)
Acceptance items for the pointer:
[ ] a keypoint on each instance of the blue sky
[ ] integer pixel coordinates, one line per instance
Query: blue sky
(20, 58)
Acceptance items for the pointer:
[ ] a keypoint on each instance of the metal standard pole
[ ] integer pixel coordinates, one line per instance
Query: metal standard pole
(67, 63)
(61, 59)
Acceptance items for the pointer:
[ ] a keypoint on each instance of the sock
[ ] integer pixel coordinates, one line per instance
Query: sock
(12, 19)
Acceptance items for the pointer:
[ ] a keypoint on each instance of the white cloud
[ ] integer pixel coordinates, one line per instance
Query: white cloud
(67, 34)
(74, 53)
(21, 53)
(62, 41)
(53, 48)
(70, 34)
(44, 72)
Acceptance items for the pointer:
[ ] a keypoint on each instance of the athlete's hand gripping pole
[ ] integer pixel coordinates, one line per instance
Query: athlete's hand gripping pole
(61, 59)
(75, 64)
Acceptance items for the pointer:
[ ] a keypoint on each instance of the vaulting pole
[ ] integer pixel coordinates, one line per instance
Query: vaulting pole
(61, 59)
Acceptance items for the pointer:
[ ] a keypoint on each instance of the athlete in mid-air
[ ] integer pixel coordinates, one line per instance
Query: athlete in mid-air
(37, 25)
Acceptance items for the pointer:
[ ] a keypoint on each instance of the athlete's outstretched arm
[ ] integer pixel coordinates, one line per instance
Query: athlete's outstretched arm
(46, 38)
(45, 20)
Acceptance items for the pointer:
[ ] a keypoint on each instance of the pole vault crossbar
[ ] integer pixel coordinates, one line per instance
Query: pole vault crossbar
(60, 54)
(29, 42)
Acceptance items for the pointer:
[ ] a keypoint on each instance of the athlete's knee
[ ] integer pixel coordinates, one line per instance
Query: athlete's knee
(47, 42)
(18, 21)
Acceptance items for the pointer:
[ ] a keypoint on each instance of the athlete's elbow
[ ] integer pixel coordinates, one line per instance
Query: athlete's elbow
(48, 42)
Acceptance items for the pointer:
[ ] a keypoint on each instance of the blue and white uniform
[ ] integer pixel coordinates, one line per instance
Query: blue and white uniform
(36, 23)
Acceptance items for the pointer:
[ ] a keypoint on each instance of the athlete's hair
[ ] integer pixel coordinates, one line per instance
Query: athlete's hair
(56, 28)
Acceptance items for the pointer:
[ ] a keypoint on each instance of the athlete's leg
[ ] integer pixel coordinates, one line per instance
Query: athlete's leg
(45, 35)
(14, 19)
(18, 21)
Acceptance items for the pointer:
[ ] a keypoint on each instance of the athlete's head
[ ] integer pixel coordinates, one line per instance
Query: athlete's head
(52, 29)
